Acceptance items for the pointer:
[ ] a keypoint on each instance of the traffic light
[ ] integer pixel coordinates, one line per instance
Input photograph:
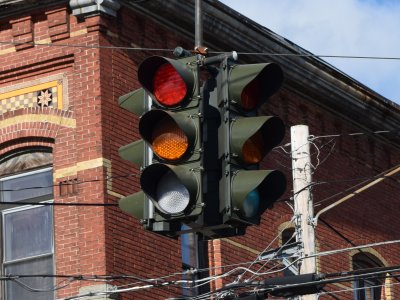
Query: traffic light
(245, 139)
(202, 143)
(171, 134)
(135, 204)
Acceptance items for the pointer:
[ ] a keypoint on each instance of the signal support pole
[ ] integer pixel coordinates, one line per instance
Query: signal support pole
(303, 203)
(198, 24)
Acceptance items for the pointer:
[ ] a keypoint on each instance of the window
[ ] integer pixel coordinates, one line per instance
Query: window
(189, 259)
(289, 236)
(367, 288)
(194, 257)
(27, 230)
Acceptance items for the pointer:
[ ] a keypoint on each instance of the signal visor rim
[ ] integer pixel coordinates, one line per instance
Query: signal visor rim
(169, 185)
(170, 82)
(172, 136)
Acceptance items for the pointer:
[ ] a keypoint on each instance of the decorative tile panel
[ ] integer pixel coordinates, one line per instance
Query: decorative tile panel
(47, 94)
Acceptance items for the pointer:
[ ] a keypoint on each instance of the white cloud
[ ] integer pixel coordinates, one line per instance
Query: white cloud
(340, 27)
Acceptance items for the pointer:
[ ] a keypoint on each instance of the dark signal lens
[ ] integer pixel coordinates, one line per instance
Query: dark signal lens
(253, 149)
(251, 204)
(251, 95)
(169, 87)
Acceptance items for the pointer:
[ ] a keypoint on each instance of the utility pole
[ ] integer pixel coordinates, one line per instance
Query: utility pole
(303, 203)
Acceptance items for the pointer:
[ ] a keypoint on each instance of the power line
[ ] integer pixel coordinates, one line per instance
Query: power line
(57, 203)
(210, 52)
(144, 49)
(330, 278)
(312, 137)
(379, 176)
(341, 235)
(162, 282)
(331, 252)
(318, 55)
(357, 288)
(363, 179)
(71, 183)
(269, 245)
(85, 46)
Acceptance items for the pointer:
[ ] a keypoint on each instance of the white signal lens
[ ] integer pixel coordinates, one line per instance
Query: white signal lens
(172, 196)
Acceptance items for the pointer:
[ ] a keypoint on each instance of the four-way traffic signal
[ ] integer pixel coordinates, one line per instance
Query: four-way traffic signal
(170, 128)
(202, 144)
(245, 138)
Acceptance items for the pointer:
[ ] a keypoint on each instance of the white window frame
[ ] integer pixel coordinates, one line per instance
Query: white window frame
(20, 207)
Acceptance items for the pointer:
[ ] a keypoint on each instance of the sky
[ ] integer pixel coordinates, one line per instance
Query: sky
(339, 27)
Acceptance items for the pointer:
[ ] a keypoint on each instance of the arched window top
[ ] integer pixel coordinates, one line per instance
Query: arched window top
(25, 159)
(367, 288)
(365, 260)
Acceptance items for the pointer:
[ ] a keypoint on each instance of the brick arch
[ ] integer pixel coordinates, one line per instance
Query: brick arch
(370, 254)
(33, 127)
(31, 130)
(24, 143)
(373, 257)
(284, 226)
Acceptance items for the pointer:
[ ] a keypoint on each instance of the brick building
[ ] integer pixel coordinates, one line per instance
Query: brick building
(64, 66)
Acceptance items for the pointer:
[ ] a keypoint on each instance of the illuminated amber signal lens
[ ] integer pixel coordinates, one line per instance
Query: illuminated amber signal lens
(168, 140)
(253, 149)
(251, 95)
(169, 87)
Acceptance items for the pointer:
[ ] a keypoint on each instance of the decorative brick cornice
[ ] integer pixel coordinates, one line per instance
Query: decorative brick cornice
(22, 31)
(10, 8)
(83, 8)
(58, 24)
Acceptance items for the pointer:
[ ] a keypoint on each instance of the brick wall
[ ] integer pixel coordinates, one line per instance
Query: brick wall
(87, 128)
(369, 217)
(131, 249)
(71, 128)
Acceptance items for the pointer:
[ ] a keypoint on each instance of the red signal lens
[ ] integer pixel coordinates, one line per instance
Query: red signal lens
(251, 95)
(169, 87)
(168, 140)
(253, 149)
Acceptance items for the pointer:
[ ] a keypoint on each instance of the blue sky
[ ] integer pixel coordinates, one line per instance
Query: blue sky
(339, 27)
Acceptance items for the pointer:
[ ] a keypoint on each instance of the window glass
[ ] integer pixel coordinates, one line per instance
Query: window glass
(27, 233)
(188, 247)
(189, 260)
(19, 186)
(368, 288)
(20, 290)
(288, 237)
